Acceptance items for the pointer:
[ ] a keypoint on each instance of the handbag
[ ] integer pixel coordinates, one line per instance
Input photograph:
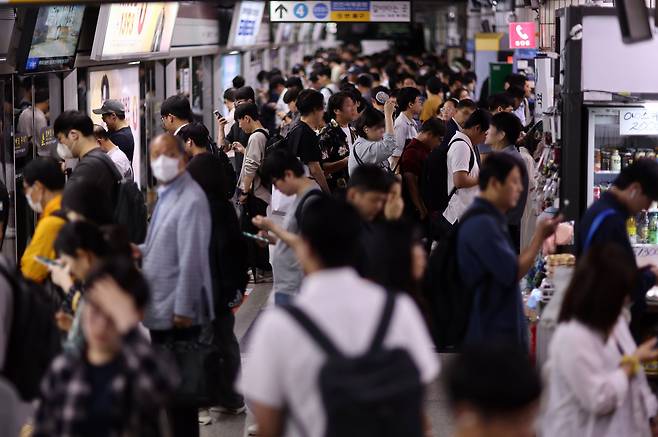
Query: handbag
(198, 365)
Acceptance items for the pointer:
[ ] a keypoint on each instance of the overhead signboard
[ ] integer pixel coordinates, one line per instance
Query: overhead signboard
(246, 24)
(522, 35)
(340, 11)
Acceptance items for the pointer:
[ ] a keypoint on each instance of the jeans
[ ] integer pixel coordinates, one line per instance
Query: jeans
(184, 421)
(283, 299)
(229, 349)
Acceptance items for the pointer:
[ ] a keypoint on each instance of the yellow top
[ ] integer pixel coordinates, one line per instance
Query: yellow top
(430, 108)
(43, 241)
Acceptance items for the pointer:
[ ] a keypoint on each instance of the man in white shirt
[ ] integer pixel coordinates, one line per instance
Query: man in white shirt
(117, 156)
(280, 377)
(175, 113)
(32, 120)
(406, 129)
(463, 168)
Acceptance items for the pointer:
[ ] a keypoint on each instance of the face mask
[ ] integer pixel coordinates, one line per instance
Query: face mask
(63, 151)
(165, 168)
(36, 206)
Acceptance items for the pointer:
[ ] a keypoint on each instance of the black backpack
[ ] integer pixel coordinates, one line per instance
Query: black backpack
(449, 301)
(434, 178)
(379, 393)
(34, 339)
(130, 207)
(306, 202)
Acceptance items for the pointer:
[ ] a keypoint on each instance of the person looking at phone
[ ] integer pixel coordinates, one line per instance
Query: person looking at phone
(236, 139)
(287, 174)
(597, 384)
(43, 184)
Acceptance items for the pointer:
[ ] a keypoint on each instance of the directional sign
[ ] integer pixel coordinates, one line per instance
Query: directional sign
(322, 11)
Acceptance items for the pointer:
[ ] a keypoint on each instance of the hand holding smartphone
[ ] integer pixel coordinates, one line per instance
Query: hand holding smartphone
(256, 237)
(46, 261)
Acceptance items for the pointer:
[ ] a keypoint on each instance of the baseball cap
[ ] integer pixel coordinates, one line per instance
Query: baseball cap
(110, 106)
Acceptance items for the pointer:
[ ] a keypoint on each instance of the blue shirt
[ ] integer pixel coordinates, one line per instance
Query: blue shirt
(489, 265)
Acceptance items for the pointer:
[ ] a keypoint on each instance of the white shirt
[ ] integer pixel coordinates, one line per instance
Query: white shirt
(348, 134)
(283, 365)
(589, 395)
(179, 128)
(121, 162)
(520, 113)
(405, 129)
(459, 157)
(27, 117)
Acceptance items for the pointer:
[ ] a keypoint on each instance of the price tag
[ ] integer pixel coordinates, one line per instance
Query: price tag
(638, 122)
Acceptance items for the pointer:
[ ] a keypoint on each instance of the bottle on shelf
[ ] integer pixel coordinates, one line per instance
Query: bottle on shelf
(653, 227)
(643, 228)
(632, 230)
(615, 161)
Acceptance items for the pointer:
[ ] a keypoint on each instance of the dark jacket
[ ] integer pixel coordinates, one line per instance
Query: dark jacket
(97, 168)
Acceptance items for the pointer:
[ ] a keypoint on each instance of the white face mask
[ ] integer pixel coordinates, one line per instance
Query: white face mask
(165, 168)
(63, 151)
(36, 206)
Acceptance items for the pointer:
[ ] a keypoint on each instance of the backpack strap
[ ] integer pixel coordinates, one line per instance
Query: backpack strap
(596, 223)
(264, 132)
(109, 164)
(302, 203)
(384, 322)
(313, 330)
(471, 163)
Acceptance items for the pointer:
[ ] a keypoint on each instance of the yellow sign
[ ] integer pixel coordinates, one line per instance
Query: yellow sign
(350, 16)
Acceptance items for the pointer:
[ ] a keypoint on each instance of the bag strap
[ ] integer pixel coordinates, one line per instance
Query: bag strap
(596, 223)
(110, 165)
(384, 322)
(471, 163)
(356, 156)
(302, 202)
(264, 132)
(313, 330)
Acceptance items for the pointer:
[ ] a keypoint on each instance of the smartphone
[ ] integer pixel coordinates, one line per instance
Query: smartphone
(46, 261)
(217, 114)
(256, 237)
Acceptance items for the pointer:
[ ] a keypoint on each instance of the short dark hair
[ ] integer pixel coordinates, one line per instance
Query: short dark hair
(509, 124)
(309, 101)
(82, 197)
(370, 177)
(45, 170)
(435, 127)
(506, 384)
(277, 163)
(123, 271)
(294, 82)
(41, 95)
(291, 95)
(643, 171)
(498, 166)
(517, 80)
(434, 85)
(245, 93)
(515, 92)
(336, 246)
(364, 80)
(370, 117)
(229, 95)
(100, 132)
(499, 100)
(78, 120)
(324, 70)
(120, 115)
(479, 118)
(406, 97)
(602, 281)
(247, 109)
(178, 106)
(198, 133)
(466, 103)
(336, 102)
(238, 82)
(277, 80)
(81, 235)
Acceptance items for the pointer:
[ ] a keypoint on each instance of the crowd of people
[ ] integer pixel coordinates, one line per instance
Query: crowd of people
(393, 214)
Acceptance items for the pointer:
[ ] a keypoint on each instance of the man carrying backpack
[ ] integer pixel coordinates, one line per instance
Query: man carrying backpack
(488, 267)
(287, 174)
(348, 358)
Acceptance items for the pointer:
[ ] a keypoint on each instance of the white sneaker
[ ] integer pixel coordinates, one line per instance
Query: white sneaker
(204, 417)
(229, 411)
(253, 430)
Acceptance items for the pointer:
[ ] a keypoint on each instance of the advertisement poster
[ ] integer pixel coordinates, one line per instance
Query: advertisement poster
(119, 84)
(230, 67)
(246, 24)
(138, 28)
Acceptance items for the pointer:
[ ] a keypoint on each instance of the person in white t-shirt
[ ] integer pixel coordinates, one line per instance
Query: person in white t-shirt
(117, 156)
(463, 167)
(410, 105)
(280, 379)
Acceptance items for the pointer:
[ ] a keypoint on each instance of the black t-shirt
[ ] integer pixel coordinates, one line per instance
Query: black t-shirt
(101, 408)
(4, 210)
(98, 169)
(124, 140)
(304, 141)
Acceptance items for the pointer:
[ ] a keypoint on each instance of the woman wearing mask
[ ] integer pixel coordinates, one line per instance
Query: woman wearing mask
(376, 141)
(596, 382)
(80, 247)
